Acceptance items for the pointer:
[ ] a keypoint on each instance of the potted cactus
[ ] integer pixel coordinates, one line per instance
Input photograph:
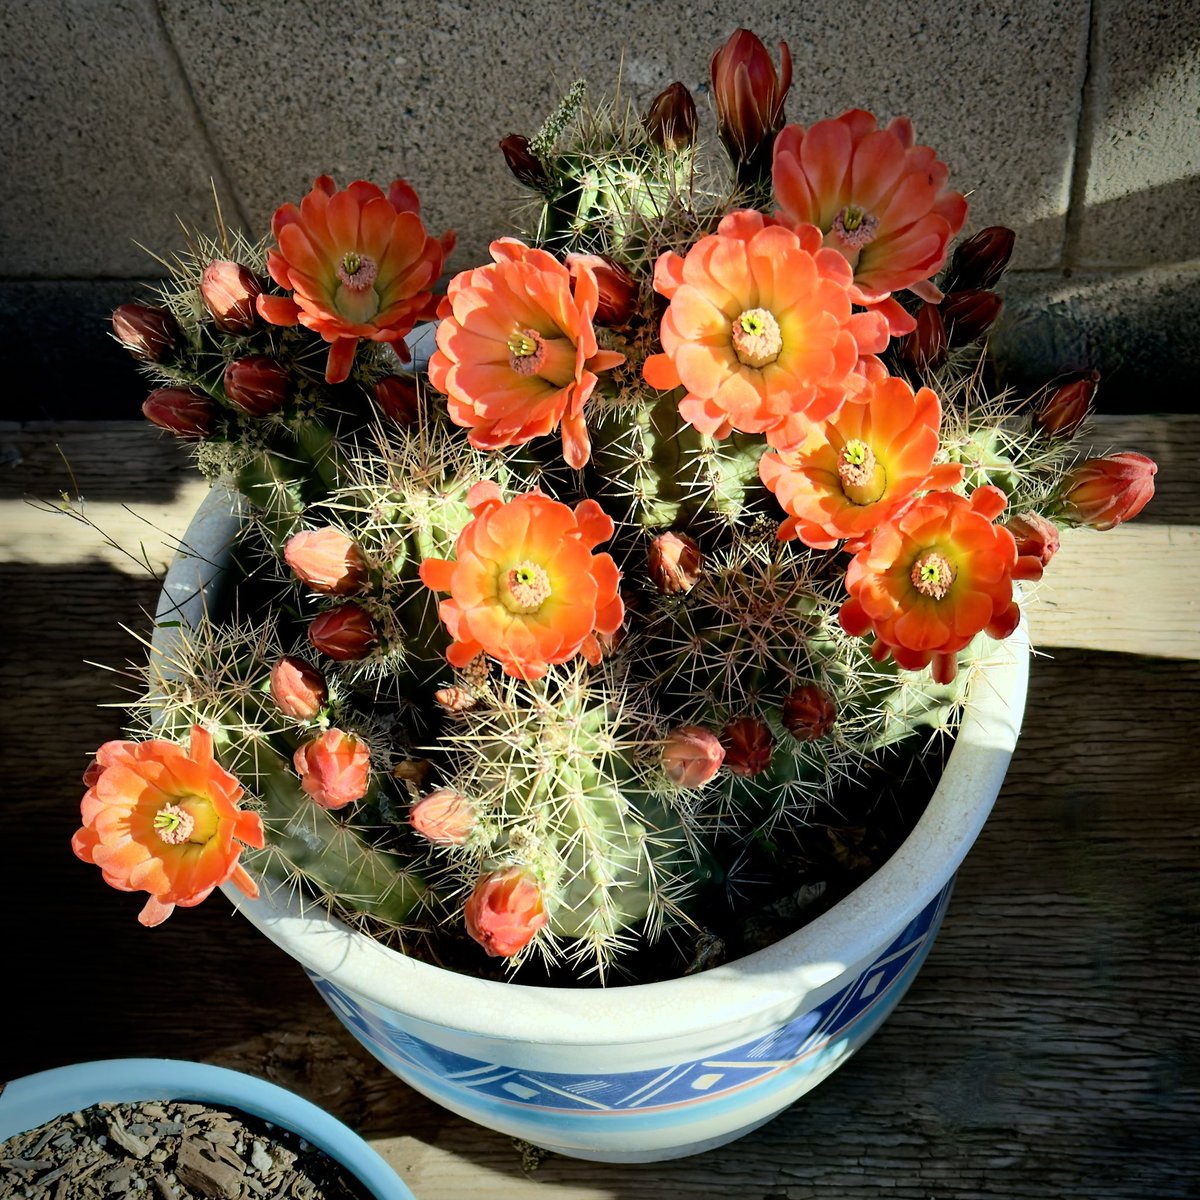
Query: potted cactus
(601, 644)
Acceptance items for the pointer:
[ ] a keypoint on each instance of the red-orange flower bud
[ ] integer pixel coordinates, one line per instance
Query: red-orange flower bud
(674, 562)
(229, 292)
(980, 260)
(327, 561)
(670, 122)
(298, 688)
(396, 396)
(691, 756)
(809, 713)
(258, 385)
(346, 633)
(444, 816)
(455, 699)
(1103, 492)
(522, 162)
(187, 412)
(1037, 543)
(925, 348)
(617, 287)
(505, 911)
(749, 95)
(1067, 407)
(748, 744)
(969, 313)
(149, 333)
(334, 769)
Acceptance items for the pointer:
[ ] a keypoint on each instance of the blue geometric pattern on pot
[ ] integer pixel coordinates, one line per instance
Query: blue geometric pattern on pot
(670, 1086)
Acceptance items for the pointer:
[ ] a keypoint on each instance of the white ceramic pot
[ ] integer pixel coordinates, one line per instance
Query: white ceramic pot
(661, 1070)
(35, 1099)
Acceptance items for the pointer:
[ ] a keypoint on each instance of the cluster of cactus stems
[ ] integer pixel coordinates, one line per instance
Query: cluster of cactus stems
(591, 797)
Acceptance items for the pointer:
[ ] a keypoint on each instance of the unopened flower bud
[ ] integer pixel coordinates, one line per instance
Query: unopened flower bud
(91, 776)
(809, 713)
(980, 260)
(149, 333)
(670, 121)
(259, 385)
(346, 633)
(749, 95)
(334, 769)
(229, 292)
(505, 911)
(298, 688)
(1037, 543)
(691, 756)
(327, 561)
(748, 744)
(925, 348)
(187, 412)
(674, 562)
(396, 396)
(455, 699)
(522, 162)
(1067, 407)
(1103, 492)
(444, 816)
(617, 287)
(968, 314)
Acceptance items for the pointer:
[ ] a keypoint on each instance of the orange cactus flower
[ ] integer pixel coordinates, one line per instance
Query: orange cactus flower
(931, 579)
(879, 199)
(164, 820)
(526, 588)
(517, 353)
(759, 329)
(859, 469)
(359, 264)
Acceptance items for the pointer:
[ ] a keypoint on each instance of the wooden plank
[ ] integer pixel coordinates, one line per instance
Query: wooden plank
(1050, 1046)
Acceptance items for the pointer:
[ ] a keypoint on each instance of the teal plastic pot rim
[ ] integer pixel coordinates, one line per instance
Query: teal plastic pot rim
(33, 1100)
(756, 988)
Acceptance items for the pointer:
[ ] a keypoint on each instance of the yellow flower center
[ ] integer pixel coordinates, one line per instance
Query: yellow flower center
(932, 575)
(855, 227)
(526, 588)
(531, 353)
(356, 271)
(757, 341)
(863, 478)
(173, 824)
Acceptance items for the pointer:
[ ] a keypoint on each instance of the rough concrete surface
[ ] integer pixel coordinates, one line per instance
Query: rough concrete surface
(1142, 200)
(101, 144)
(1130, 325)
(1075, 122)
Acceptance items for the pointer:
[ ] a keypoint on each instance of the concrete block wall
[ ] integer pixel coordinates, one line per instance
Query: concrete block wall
(1074, 121)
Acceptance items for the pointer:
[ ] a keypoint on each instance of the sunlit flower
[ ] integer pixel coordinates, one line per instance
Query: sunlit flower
(505, 911)
(517, 353)
(526, 588)
(931, 579)
(855, 471)
(161, 819)
(1103, 492)
(879, 199)
(334, 768)
(759, 329)
(359, 264)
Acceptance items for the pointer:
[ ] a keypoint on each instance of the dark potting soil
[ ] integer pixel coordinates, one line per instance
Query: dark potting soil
(169, 1150)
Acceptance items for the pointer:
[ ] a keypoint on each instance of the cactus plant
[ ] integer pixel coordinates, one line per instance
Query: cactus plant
(550, 636)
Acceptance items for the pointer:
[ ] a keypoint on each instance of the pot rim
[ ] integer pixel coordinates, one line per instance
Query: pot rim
(33, 1100)
(849, 934)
